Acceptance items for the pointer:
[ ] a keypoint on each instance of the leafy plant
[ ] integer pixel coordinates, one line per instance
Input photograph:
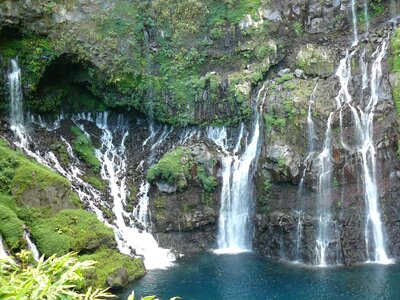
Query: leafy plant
(56, 278)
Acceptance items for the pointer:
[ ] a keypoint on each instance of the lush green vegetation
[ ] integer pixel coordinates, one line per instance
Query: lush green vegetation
(56, 278)
(97, 183)
(173, 168)
(178, 168)
(11, 228)
(208, 182)
(111, 262)
(70, 230)
(55, 231)
(82, 145)
(19, 174)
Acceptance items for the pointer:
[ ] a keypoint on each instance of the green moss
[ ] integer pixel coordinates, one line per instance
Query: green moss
(30, 174)
(97, 183)
(285, 77)
(18, 174)
(83, 146)
(70, 230)
(11, 228)
(109, 262)
(173, 168)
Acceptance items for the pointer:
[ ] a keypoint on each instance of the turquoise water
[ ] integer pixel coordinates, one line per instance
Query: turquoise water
(248, 276)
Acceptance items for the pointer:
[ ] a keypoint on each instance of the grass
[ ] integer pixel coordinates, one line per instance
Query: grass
(97, 183)
(83, 146)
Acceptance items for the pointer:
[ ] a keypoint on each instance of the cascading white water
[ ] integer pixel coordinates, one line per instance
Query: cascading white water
(369, 158)
(237, 195)
(3, 253)
(324, 197)
(129, 237)
(31, 246)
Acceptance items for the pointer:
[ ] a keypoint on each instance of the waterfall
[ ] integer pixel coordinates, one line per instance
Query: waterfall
(237, 195)
(368, 151)
(3, 253)
(16, 105)
(31, 246)
(324, 197)
(311, 135)
(129, 237)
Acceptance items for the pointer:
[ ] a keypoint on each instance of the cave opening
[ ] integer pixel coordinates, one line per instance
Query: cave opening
(66, 86)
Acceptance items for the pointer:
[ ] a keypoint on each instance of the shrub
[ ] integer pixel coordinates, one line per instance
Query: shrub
(11, 228)
(55, 278)
(209, 183)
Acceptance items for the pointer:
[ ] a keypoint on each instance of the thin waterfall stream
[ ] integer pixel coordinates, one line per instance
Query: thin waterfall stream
(237, 195)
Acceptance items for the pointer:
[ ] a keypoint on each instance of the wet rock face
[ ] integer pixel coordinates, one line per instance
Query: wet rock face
(280, 198)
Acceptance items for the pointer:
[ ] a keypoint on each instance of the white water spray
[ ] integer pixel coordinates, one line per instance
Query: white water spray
(31, 246)
(237, 195)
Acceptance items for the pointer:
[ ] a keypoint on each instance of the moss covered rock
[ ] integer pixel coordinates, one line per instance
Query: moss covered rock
(32, 184)
(316, 60)
(114, 269)
(71, 230)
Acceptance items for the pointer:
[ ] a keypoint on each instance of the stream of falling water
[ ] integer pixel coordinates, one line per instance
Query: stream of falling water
(31, 246)
(362, 144)
(311, 135)
(130, 239)
(3, 253)
(237, 195)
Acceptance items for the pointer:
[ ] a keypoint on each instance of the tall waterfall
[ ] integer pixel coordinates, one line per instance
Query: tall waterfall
(324, 197)
(362, 144)
(237, 195)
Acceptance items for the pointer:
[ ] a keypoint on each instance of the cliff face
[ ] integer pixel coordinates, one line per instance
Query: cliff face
(201, 63)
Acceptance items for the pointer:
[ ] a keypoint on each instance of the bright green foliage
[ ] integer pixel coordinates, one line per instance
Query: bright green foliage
(209, 183)
(272, 121)
(285, 77)
(111, 261)
(70, 230)
(173, 168)
(56, 278)
(11, 228)
(84, 147)
(34, 53)
(97, 183)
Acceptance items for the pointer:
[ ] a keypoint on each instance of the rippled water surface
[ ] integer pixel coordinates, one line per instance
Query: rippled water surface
(248, 276)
